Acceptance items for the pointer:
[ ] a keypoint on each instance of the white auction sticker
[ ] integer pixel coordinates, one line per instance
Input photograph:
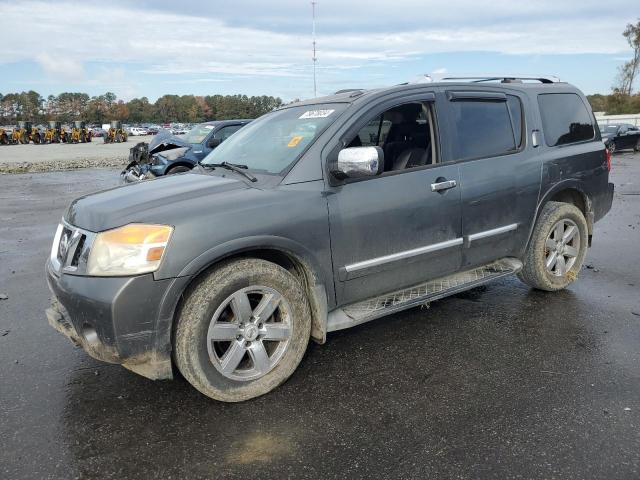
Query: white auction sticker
(316, 114)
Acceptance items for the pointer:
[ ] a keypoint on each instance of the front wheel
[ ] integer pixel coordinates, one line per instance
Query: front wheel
(636, 148)
(612, 147)
(242, 330)
(557, 248)
(178, 169)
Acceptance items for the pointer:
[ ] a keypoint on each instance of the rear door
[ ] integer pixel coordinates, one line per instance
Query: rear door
(499, 174)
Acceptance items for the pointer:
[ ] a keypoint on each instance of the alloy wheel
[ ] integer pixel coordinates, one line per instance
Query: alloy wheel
(562, 247)
(249, 332)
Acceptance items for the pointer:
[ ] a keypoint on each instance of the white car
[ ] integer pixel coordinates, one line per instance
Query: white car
(135, 131)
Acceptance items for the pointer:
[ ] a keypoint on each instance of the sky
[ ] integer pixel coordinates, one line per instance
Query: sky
(263, 47)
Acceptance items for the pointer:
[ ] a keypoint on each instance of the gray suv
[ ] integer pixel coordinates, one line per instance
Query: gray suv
(326, 214)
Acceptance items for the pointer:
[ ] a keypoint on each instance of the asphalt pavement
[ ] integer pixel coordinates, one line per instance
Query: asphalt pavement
(498, 382)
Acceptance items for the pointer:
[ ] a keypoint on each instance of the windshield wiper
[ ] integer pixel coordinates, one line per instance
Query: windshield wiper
(241, 169)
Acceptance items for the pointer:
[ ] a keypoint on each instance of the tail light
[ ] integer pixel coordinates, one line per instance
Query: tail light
(607, 155)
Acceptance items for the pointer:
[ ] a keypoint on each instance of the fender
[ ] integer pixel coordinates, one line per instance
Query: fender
(570, 183)
(315, 280)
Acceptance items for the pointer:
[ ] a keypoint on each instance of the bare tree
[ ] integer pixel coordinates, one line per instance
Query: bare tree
(628, 72)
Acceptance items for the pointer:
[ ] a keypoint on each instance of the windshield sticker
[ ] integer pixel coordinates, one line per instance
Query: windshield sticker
(294, 141)
(316, 114)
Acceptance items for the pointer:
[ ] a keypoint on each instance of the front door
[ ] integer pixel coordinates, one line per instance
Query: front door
(402, 227)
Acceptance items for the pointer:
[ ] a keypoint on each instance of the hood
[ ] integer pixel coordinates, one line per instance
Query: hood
(174, 153)
(164, 140)
(162, 200)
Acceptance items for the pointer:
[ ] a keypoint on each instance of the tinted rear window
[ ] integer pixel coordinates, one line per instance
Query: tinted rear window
(483, 129)
(565, 119)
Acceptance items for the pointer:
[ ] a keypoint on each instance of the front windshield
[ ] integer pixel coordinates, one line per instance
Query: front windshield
(274, 141)
(198, 133)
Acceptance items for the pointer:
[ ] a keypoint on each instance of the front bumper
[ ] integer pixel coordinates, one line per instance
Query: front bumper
(115, 319)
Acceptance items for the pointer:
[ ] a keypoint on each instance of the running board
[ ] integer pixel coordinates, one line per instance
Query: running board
(377, 307)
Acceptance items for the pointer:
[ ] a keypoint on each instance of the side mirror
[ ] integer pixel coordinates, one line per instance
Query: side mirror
(214, 142)
(358, 162)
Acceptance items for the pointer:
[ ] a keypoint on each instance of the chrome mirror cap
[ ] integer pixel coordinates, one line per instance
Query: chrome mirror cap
(358, 162)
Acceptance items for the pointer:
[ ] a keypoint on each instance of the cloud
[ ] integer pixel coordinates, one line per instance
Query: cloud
(272, 39)
(60, 67)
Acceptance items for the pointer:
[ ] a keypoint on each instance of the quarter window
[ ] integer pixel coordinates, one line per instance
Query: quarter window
(565, 119)
(483, 129)
(515, 110)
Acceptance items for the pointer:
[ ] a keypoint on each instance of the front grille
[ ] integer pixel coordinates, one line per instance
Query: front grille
(68, 252)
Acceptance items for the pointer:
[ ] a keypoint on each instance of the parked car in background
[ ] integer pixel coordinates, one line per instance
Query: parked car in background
(167, 154)
(620, 137)
(137, 131)
(97, 132)
(304, 223)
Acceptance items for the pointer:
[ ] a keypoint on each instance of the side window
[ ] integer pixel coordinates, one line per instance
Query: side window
(565, 119)
(483, 128)
(404, 132)
(375, 133)
(226, 132)
(517, 118)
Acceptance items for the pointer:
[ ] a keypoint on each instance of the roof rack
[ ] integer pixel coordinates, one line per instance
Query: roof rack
(429, 78)
(353, 91)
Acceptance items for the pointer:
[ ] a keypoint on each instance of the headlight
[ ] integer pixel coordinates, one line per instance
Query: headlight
(130, 250)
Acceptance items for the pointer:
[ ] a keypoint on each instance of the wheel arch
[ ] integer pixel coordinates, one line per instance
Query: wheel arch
(179, 163)
(283, 252)
(568, 191)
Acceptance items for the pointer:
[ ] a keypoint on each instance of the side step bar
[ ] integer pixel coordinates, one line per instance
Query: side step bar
(377, 307)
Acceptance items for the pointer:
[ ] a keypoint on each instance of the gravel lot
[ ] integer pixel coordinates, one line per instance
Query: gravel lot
(499, 382)
(64, 156)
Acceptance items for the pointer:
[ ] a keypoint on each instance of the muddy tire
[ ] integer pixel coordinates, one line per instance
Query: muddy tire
(242, 330)
(557, 248)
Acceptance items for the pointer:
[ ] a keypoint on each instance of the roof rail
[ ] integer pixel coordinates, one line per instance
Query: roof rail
(353, 91)
(429, 78)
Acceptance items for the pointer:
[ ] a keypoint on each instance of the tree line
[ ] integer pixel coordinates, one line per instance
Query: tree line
(70, 106)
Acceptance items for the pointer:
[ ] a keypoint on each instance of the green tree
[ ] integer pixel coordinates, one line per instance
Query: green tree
(628, 72)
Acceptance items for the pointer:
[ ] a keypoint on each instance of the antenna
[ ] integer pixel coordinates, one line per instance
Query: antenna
(313, 34)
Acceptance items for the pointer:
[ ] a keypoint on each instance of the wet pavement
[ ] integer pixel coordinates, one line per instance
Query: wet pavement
(498, 382)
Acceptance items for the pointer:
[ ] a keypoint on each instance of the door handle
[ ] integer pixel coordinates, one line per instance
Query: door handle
(442, 186)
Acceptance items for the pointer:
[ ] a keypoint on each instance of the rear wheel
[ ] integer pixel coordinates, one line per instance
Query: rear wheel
(637, 146)
(242, 330)
(557, 248)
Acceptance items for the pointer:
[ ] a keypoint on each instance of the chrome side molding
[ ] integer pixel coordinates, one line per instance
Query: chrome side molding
(492, 232)
(374, 262)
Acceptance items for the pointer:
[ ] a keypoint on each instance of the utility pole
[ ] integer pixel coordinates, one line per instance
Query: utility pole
(315, 58)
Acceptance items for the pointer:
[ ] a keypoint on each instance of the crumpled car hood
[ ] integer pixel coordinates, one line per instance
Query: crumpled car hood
(174, 153)
(164, 140)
